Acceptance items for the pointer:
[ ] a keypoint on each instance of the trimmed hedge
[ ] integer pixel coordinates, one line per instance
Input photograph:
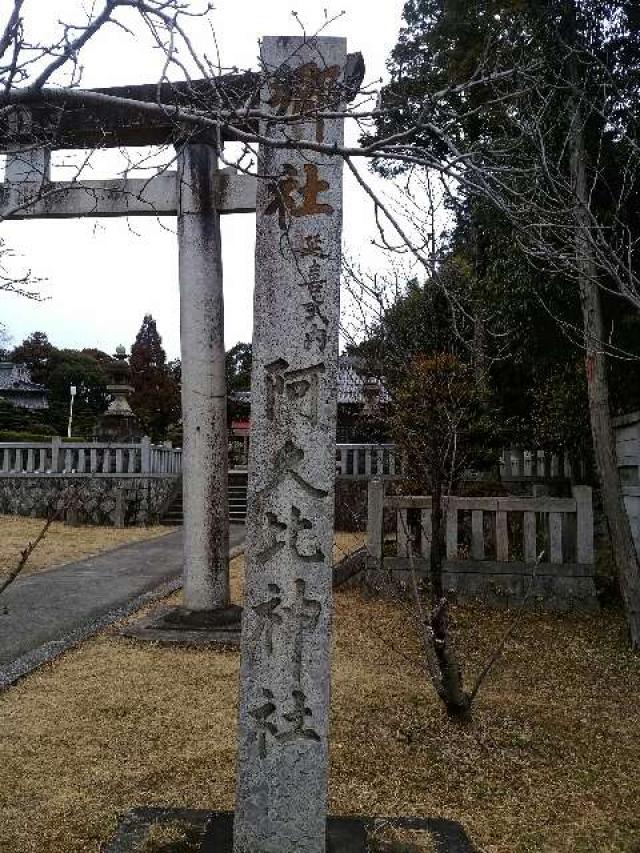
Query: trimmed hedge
(9, 435)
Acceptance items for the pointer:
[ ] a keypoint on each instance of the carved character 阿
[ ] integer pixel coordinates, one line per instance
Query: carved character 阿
(298, 389)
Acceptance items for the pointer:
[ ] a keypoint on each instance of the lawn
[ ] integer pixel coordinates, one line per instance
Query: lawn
(63, 543)
(550, 763)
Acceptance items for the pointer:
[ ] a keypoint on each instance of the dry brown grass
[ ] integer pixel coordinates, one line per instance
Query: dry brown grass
(175, 836)
(550, 765)
(62, 544)
(346, 543)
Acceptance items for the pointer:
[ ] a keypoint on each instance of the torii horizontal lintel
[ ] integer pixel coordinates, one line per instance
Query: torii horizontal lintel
(155, 196)
(139, 114)
(69, 121)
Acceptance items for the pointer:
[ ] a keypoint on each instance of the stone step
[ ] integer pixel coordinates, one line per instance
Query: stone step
(237, 504)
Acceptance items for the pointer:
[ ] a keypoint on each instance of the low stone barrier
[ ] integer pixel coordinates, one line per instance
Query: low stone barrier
(91, 499)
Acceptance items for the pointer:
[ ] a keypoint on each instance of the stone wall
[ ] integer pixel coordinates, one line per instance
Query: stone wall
(91, 499)
(556, 588)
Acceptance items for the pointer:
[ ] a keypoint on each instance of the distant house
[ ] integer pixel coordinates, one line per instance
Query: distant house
(358, 395)
(17, 388)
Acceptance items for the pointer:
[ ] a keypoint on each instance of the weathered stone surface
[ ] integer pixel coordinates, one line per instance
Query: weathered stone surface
(284, 688)
(200, 628)
(204, 398)
(155, 196)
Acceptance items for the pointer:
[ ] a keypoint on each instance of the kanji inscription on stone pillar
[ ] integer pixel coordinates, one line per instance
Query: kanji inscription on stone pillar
(285, 669)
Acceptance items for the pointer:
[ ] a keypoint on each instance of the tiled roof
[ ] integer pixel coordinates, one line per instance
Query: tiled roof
(351, 381)
(240, 396)
(350, 384)
(16, 377)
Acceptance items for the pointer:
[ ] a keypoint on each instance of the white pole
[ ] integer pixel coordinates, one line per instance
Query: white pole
(72, 389)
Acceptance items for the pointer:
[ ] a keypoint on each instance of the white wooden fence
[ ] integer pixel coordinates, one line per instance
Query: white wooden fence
(91, 459)
(363, 461)
(534, 465)
(490, 529)
(353, 461)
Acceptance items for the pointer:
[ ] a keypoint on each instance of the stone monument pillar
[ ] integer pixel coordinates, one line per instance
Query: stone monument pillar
(204, 396)
(285, 668)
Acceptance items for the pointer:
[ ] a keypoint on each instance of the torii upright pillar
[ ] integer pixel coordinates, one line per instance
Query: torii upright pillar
(204, 396)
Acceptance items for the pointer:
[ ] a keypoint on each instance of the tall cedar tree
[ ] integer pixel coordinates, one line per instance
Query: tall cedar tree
(156, 396)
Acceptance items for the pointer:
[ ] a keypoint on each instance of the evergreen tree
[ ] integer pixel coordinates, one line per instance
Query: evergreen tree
(238, 367)
(58, 369)
(537, 110)
(156, 397)
(35, 351)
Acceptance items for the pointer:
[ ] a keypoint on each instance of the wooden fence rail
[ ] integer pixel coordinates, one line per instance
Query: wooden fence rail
(487, 529)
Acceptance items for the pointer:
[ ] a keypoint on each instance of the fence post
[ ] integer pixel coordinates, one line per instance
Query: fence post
(426, 533)
(477, 533)
(506, 458)
(502, 536)
(452, 529)
(584, 524)
(145, 455)
(375, 518)
(56, 443)
(402, 533)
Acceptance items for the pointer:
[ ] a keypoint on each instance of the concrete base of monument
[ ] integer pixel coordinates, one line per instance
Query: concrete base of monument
(179, 625)
(159, 830)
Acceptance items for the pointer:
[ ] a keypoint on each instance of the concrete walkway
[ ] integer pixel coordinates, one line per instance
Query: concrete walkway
(44, 608)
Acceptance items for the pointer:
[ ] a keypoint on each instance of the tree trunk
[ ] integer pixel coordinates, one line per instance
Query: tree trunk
(456, 701)
(624, 551)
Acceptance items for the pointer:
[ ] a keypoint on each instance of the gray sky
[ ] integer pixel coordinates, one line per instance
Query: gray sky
(102, 276)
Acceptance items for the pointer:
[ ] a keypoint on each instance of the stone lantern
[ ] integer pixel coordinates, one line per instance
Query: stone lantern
(371, 394)
(119, 423)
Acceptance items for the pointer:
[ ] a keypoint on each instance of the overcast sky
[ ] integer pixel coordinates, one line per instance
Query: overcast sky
(102, 276)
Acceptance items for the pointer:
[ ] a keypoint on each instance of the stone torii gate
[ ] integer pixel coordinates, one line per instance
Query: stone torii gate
(281, 792)
(197, 193)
